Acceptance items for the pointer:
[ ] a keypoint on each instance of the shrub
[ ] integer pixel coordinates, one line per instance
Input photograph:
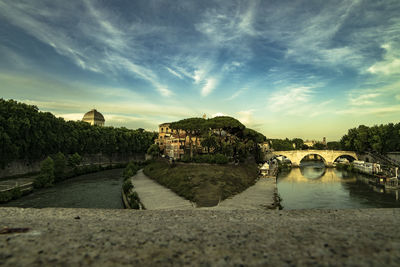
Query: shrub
(154, 151)
(134, 200)
(5, 196)
(16, 193)
(74, 160)
(130, 170)
(127, 186)
(46, 176)
(185, 158)
(221, 159)
(60, 163)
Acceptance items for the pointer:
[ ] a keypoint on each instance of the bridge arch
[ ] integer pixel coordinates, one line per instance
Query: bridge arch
(306, 155)
(329, 156)
(346, 156)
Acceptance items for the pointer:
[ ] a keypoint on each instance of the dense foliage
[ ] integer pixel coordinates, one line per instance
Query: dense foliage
(27, 133)
(46, 177)
(224, 135)
(378, 138)
(131, 169)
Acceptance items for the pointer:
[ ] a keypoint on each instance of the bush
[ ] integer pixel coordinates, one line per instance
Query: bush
(130, 170)
(221, 159)
(5, 196)
(185, 158)
(74, 160)
(46, 176)
(16, 193)
(134, 200)
(60, 163)
(154, 150)
(127, 186)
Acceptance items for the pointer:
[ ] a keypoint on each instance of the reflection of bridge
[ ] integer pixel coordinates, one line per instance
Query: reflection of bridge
(328, 156)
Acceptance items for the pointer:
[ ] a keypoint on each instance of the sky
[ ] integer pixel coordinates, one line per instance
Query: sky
(307, 69)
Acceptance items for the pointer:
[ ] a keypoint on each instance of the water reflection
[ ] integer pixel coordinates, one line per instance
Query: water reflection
(314, 186)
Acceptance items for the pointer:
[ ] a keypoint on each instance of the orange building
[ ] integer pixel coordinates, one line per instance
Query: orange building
(172, 142)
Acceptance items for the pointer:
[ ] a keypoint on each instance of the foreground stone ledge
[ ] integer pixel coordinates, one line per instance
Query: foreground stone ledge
(73, 237)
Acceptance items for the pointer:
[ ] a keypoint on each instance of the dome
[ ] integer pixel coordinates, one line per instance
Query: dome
(94, 117)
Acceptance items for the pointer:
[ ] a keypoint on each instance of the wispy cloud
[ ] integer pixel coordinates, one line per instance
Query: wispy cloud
(363, 111)
(174, 73)
(289, 98)
(209, 86)
(364, 99)
(96, 44)
(237, 93)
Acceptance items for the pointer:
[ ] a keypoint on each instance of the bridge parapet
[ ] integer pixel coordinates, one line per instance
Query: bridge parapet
(328, 156)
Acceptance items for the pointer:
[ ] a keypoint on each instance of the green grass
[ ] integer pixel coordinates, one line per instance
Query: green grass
(203, 184)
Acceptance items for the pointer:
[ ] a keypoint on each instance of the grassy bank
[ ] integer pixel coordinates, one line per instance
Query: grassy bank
(204, 184)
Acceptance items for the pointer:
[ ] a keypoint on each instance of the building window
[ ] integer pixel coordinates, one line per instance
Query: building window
(162, 130)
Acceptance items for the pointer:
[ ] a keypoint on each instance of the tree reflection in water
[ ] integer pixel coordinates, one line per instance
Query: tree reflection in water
(313, 186)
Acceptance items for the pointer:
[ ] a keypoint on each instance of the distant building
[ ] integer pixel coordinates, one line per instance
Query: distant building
(172, 142)
(311, 143)
(94, 118)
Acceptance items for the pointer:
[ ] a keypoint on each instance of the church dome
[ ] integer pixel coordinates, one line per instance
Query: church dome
(94, 117)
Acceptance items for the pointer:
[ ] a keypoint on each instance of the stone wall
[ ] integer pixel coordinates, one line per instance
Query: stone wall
(21, 167)
(394, 155)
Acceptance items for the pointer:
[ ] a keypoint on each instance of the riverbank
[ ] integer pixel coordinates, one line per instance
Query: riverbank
(94, 190)
(204, 184)
(69, 237)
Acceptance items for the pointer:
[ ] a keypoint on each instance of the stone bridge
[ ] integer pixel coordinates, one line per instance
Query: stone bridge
(328, 156)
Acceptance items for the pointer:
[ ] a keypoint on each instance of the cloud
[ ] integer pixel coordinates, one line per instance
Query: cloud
(246, 116)
(174, 73)
(365, 111)
(208, 87)
(218, 114)
(97, 43)
(390, 63)
(364, 99)
(289, 98)
(237, 93)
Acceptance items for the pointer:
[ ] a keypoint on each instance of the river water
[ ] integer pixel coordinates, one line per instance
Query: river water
(94, 190)
(312, 186)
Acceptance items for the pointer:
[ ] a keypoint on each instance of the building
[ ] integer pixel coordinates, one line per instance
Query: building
(94, 118)
(311, 143)
(172, 142)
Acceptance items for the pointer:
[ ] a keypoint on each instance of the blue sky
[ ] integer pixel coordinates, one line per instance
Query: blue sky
(286, 68)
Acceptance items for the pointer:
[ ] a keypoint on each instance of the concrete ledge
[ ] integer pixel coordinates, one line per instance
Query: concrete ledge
(58, 237)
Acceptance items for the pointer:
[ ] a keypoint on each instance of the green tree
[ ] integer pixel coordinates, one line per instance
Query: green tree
(298, 143)
(154, 151)
(319, 146)
(333, 145)
(210, 142)
(46, 176)
(74, 160)
(60, 163)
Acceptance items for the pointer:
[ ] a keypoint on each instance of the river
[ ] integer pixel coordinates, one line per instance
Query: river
(94, 190)
(312, 186)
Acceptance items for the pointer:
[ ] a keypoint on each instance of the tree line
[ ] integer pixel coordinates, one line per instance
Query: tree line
(224, 135)
(378, 138)
(26, 133)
